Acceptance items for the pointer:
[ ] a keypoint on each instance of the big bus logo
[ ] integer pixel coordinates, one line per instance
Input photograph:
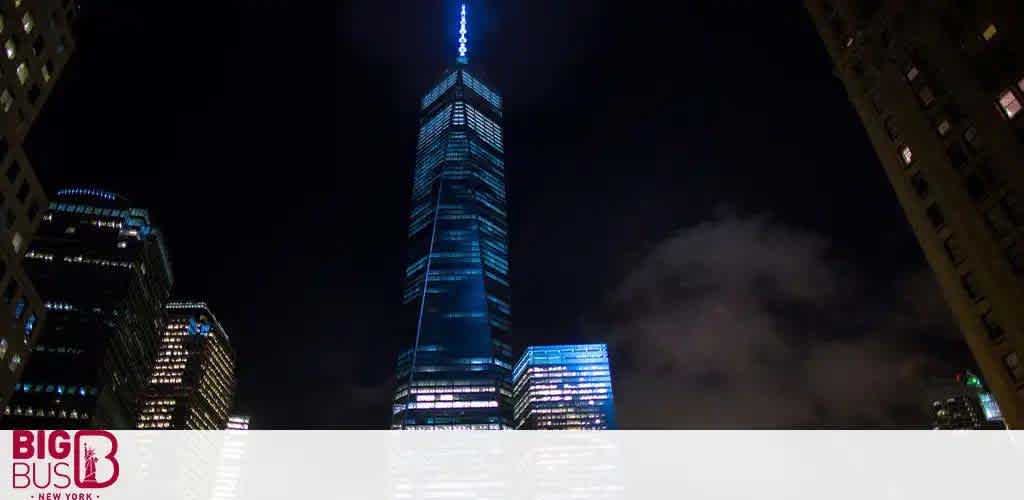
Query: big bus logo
(56, 459)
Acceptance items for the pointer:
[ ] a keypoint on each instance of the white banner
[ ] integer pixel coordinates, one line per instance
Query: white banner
(694, 465)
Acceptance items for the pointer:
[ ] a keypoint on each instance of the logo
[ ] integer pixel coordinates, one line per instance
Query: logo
(57, 462)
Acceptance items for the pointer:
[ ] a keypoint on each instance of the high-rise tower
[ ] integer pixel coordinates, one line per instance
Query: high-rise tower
(457, 374)
(560, 387)
(101, 267)
(192, 385)
(37, 42)
(939, 87)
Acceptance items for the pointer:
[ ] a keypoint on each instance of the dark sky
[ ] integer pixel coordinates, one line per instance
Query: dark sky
(688, 183)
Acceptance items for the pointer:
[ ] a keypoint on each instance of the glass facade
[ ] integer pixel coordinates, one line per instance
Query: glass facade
(564, 387)
(192, 385)
(457, 374)
(102, 270)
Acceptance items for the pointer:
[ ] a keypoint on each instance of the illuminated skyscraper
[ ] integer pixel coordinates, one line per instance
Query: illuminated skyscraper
(962, 403)
(939, 88)
(564, 387)
(36, 41)
(102, 270)
(457, 374)
(238, 423)
(192, 385)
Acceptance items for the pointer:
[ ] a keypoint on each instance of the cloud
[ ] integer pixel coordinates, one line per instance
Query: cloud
(744, 322)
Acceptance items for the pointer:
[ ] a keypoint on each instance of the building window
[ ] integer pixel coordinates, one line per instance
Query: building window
(943, 127)
(935, 215)
(1020, 84)
(920, 185)
(30, 325)
(27, 22)
(998, 221)
(19, 309)
(15, 363)
(6, 100)
(22, 73)
(890, 128)
(1009, 104)
(989, 33)
(3, 347)
(971, 139)
(11, 49)
(912, 73)
(926, 95)
(995, 332)
(46, 70)
(907, 155)
(953, 250)
(970, 284)
(1014, 366)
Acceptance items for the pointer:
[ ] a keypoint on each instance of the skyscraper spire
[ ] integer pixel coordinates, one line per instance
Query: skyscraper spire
(462, 36)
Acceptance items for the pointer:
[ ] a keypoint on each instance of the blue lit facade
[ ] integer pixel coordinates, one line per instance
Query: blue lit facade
(457, 374)
(562, 387)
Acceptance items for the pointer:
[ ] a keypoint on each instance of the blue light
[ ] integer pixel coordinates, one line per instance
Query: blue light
(462, 33)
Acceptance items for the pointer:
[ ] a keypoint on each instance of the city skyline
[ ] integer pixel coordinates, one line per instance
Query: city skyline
(635, 182)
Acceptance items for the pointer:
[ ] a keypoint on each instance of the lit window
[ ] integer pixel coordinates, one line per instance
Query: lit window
(11, 49)
(45, 70)
(19, 309)
(30, 324)
(27, 22)
(22, 73)
(3, 347)
(907, 155)
(943, 127)
(15, 362)
(990, 32)
(1009, 103)
(912, 73)
(1020, 84)
(17, 241)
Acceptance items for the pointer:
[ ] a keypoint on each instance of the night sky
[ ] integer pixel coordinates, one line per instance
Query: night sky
(688, 183)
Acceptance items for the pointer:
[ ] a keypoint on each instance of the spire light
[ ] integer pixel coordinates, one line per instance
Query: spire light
(462, 33)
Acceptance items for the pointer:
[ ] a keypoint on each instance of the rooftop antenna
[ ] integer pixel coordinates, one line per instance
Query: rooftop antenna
(463, 58)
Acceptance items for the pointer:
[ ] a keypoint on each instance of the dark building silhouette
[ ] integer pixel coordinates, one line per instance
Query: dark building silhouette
(36, 41)
(102, 270)
(939, 87)
(192, 386)
(457, 374)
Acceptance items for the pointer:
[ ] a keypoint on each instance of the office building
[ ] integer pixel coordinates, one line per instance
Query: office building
(962, 403)
(192, 385)
(238, 423)
(561, 387)
(37, 42)
(457, 373)
(939, 87)
(100, 266)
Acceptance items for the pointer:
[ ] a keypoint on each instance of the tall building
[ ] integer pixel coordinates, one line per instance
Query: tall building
(939, 87)
(962, 403)
(457, 374)
(561, 387)
(238, 423)
(102, 270)
(37, 42)
(192, 385)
